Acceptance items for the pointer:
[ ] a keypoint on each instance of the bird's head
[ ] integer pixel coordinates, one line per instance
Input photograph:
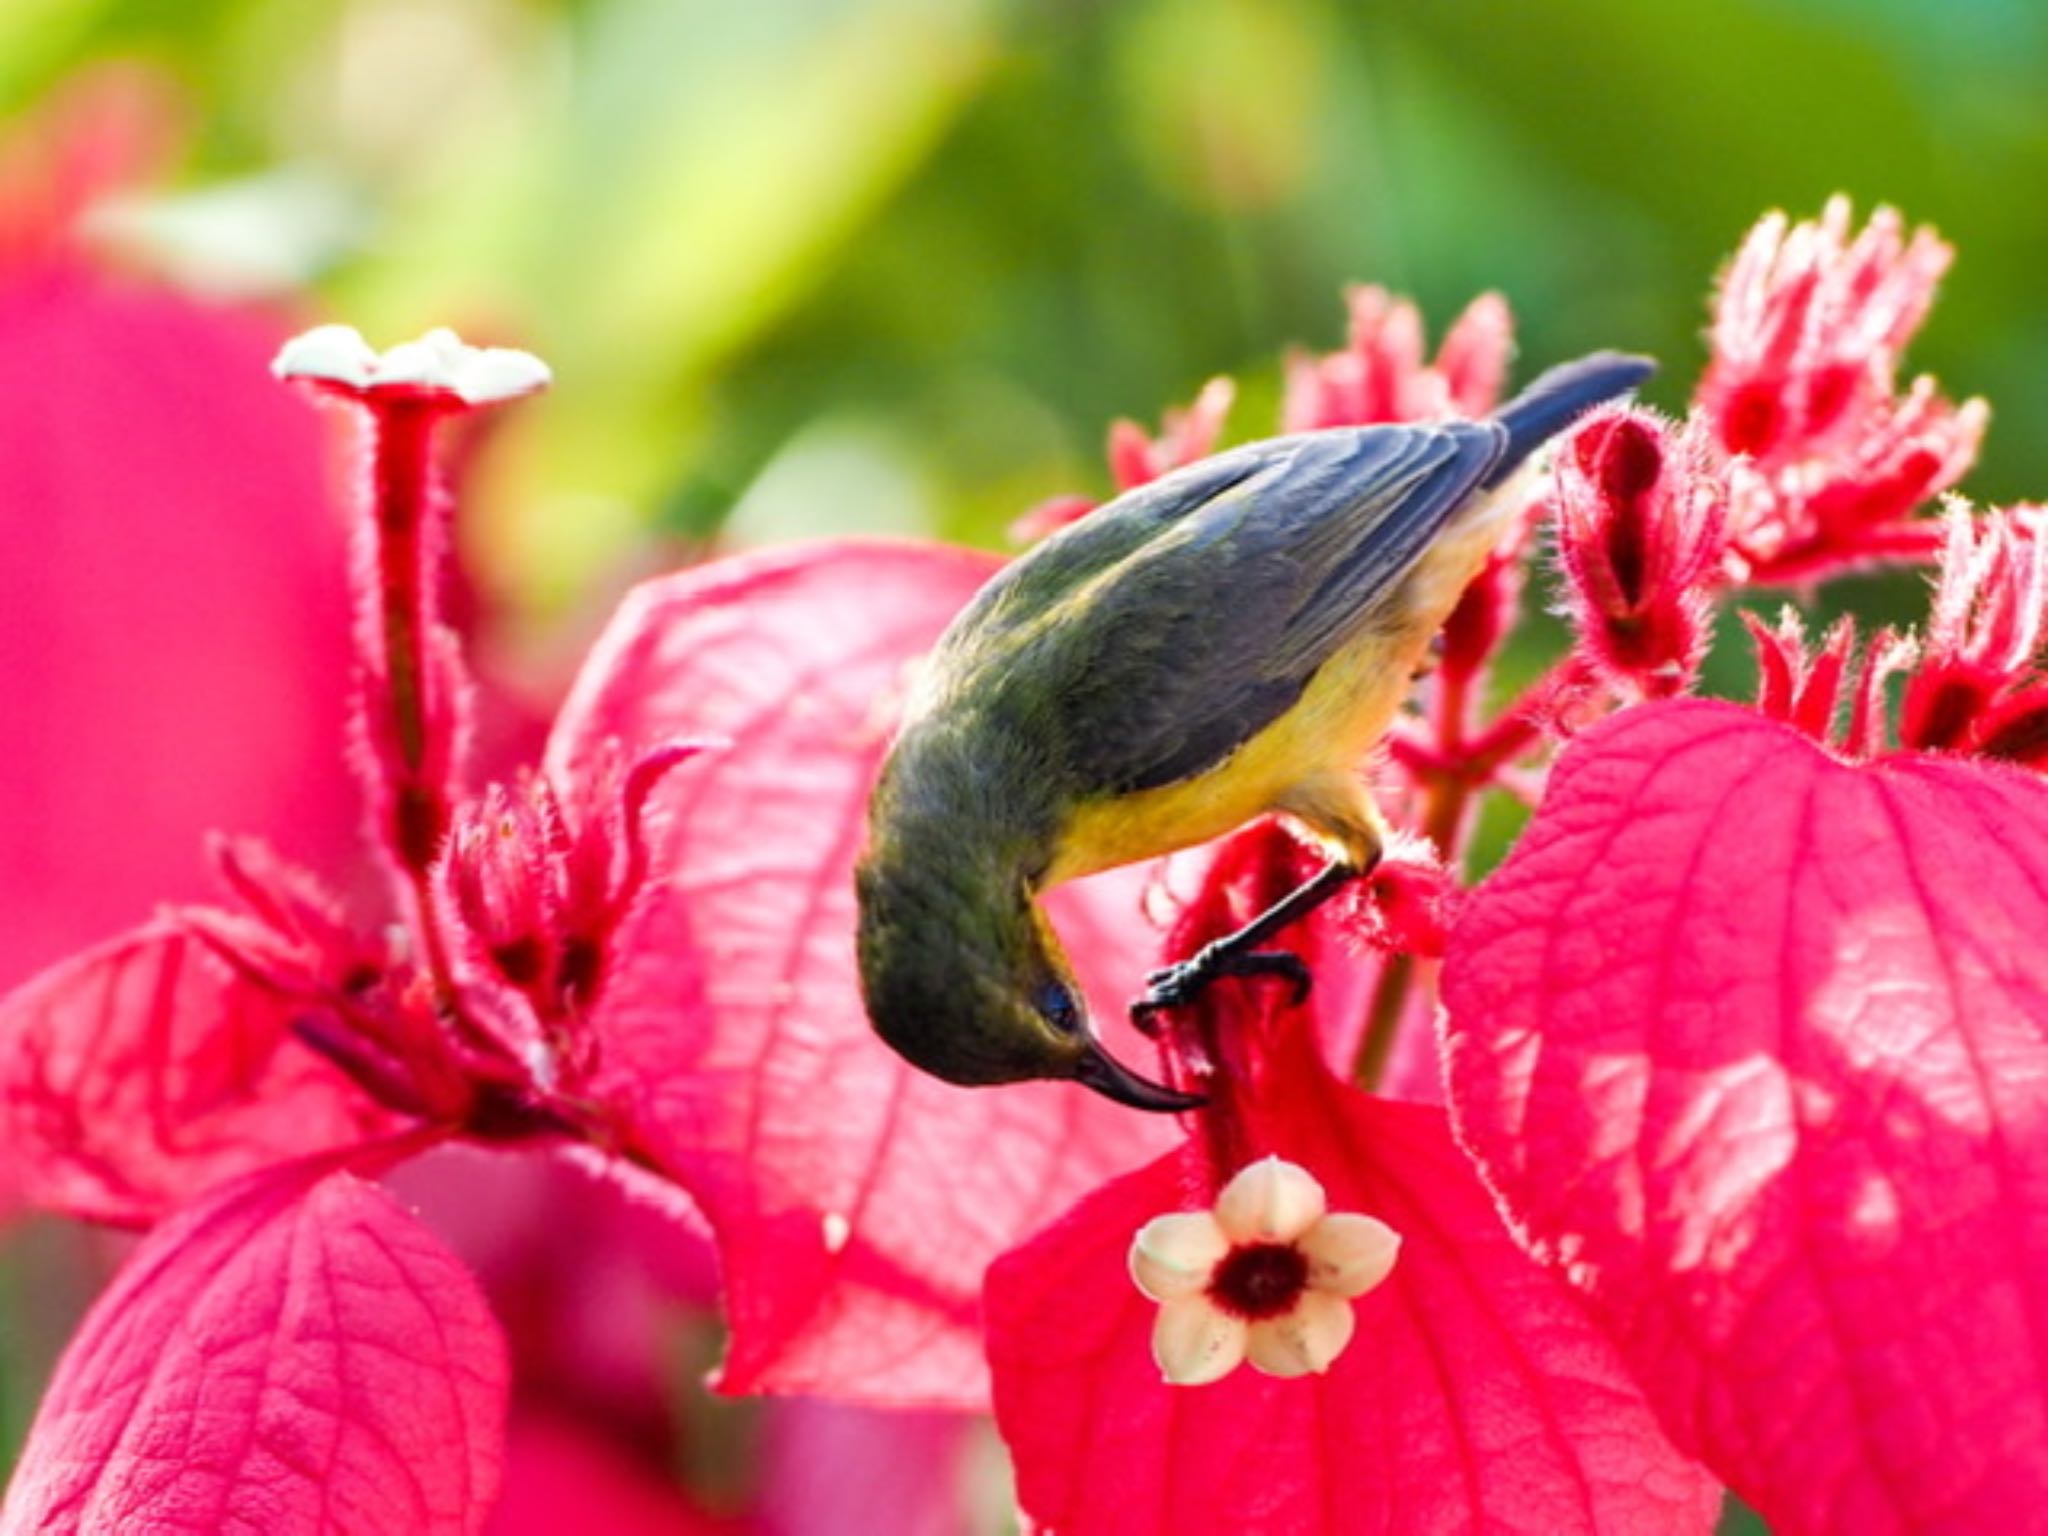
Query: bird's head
(965, 979)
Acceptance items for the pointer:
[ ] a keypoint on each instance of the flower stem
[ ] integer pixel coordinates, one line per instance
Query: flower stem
(1383, 1018)
(410, 713)
(1453, 770)
(403, 466)
(1520, 726)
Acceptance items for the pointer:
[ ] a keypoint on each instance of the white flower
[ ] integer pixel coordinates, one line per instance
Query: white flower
(1268, 1275)
(439, 361)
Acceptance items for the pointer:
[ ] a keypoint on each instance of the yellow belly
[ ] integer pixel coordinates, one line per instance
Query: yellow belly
(1309, 762)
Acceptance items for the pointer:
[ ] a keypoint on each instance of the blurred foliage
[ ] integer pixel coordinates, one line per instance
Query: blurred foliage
(916, 253)
(811, 266)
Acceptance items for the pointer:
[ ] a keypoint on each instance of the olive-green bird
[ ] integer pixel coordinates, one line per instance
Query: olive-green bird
(1228, 640)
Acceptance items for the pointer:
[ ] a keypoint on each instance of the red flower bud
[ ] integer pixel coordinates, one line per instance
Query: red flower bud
(538, 880)
(1803, 688)
(1983, 637)
(1136, 457)
(1808, 327)
(1641, 528)
(1473, 356)
(1381, 375)
(1807, 323)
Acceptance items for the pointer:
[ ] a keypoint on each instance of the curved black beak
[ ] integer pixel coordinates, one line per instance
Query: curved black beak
(1113, 1080)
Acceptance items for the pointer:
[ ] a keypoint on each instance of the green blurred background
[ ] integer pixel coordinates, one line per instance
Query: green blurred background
(864, 264)
(810, 266)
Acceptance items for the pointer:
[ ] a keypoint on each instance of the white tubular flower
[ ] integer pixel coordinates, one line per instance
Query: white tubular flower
(1268, 1276)
(438, 363)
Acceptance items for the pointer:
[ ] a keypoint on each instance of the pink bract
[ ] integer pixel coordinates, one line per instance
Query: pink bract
(1473, 1396)
(1752, 1043)
(562, 1477)
(143, 712)
(855, 1200)
(293, 1353)
(139, 1073)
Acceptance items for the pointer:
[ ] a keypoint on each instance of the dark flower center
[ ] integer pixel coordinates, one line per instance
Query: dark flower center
(1259, 1280)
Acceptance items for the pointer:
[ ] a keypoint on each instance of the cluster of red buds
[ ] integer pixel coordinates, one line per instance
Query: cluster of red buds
(1802, 458)
(1979, 686)
(1828, 458)
(1383, 374)
(539, 878)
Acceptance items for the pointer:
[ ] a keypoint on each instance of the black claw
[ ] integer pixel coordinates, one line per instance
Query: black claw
(1276, 962)
(1174, 987)
(1178, 985)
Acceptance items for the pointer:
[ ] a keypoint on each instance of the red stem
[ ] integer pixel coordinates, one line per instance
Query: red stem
(416, 791)
(1453, 772)
(402, 467)
(1520, 726)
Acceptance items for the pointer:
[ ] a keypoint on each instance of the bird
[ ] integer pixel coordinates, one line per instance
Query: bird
(1228, 640)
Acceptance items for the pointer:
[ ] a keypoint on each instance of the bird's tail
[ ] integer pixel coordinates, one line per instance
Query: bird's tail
(1557, 398)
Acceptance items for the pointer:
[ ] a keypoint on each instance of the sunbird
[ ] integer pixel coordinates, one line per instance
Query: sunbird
(1229, 640)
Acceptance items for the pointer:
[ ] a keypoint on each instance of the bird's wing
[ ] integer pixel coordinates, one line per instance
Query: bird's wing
(1033, 588)
(1202, 628)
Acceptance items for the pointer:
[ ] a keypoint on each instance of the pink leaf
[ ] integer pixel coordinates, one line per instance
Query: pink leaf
(173, 615)
(1474, 1395)
(138, 1073)
(561, 1476)
(1754, 1044)
(826, 1469)
(295, 1353)
(855, 1200)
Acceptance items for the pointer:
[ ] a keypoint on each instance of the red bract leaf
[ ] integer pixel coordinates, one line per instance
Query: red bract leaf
(855, 1201)
(825, 1469)
(141, 1072)
(1753, 1042)
(1474, 1395)
(173, 624)
(295, 1353)
(560, 1476)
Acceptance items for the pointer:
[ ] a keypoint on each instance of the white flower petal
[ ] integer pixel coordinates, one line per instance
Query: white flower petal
(1173, 1256)
(430, 361)
(1195, 1343)
(1270, 1201)
(438, 360)
(334, 352)
(1348, 1255)
(1302, 1341)
(499, 373)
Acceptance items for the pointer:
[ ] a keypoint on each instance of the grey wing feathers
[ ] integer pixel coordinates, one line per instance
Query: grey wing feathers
(1030, 589)
(1210, 632)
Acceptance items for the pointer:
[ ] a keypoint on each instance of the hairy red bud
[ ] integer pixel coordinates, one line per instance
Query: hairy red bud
(1641, 527)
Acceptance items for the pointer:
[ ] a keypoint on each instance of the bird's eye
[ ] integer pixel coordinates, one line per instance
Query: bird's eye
(1057, 1007)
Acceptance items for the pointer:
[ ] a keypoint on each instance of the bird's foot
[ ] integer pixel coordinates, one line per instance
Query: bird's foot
(1175, 986)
